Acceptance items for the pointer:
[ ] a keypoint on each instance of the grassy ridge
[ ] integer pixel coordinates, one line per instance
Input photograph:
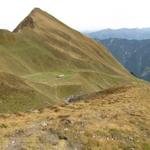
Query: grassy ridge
(42, 48)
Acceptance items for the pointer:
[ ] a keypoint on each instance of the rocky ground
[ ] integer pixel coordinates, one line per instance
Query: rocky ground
(115, 119)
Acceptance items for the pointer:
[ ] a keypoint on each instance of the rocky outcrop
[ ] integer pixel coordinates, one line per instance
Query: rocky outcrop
(27, 22)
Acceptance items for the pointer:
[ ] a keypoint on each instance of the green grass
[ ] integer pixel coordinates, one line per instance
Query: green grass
(146, 146)
(48, 76)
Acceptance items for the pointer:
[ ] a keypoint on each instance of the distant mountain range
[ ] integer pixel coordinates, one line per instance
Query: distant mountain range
(130, 46)
(133, 54)
(124, 33)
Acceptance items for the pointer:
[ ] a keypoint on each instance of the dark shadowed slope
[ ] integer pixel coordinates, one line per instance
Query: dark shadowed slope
(133, 54)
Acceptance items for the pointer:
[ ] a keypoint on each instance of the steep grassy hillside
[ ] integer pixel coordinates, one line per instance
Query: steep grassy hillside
(55, 60)
(17, 95)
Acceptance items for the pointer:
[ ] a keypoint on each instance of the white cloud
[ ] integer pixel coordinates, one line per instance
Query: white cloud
(81, 14)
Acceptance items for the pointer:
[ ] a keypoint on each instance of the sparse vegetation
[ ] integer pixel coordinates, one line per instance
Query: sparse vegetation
(88, 125)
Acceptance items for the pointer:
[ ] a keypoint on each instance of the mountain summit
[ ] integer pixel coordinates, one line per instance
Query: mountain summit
(29, 21)
(39, 19)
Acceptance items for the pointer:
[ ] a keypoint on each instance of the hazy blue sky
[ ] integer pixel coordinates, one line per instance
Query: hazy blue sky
(80, 14)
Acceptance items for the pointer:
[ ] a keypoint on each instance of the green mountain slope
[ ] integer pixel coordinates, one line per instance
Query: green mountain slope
(133, 54)
(15, 92)
(55, 61)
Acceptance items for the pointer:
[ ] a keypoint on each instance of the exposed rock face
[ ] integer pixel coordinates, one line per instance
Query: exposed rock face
(27, 22)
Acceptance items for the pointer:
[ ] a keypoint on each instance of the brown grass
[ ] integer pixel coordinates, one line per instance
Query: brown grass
(114, 120)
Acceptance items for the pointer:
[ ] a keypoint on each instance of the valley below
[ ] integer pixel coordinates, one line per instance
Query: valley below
(129, 46)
